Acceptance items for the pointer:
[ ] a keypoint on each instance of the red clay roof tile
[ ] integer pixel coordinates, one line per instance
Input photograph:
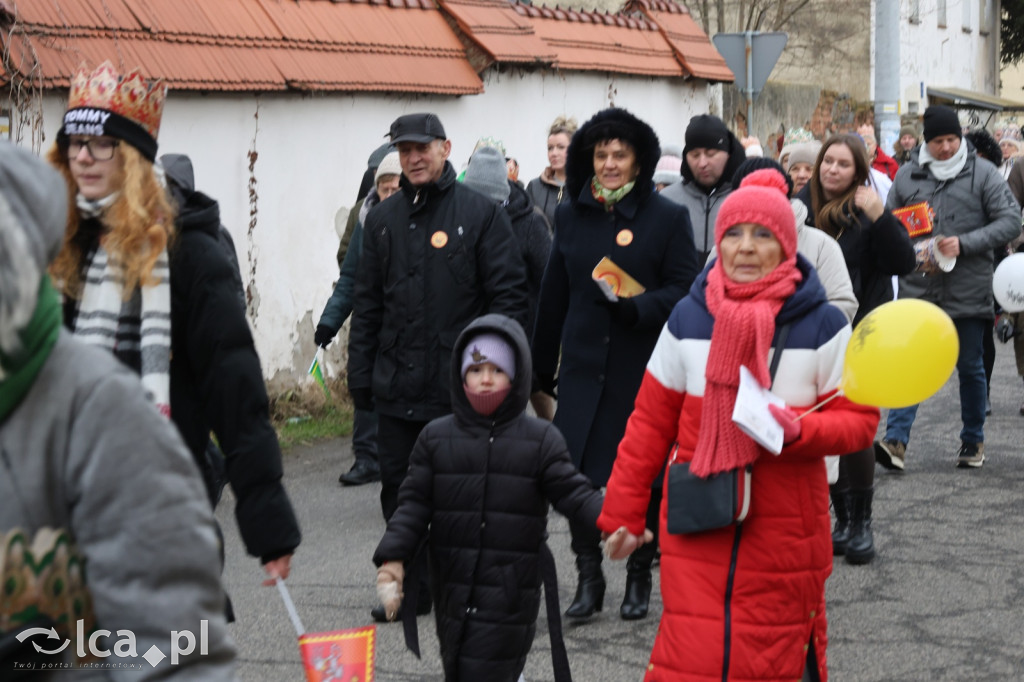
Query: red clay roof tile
(692, 47)
(348, 45)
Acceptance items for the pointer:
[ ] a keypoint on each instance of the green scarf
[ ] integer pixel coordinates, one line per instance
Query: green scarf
(609, 197)
(37, 340)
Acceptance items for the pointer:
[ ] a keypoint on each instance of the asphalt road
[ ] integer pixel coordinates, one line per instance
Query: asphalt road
(944, 599)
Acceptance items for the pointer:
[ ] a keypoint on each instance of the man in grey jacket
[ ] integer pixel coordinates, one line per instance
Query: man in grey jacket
(91, 475)
(974, 213)
(711, 156)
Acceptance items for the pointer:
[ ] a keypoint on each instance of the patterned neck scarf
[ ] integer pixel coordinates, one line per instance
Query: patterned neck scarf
(609, 197)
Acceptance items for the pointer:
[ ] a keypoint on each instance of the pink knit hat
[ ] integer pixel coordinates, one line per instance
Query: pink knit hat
(489, 347)
(760, 199)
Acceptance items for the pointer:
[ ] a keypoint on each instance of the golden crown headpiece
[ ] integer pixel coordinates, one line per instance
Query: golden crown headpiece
(131, 99)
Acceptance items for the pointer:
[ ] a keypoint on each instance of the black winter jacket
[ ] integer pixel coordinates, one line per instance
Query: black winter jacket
(434, 258)
(603, 359)
(531, 230)
(873, 251)
(481, 486)
(216, 379)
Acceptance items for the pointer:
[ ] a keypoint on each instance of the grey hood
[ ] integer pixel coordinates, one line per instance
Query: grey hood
(515, 402)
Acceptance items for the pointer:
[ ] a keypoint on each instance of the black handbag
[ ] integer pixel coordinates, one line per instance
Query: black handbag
(699, 504)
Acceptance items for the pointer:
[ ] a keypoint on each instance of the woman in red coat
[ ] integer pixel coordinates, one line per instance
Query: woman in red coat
(744, 602)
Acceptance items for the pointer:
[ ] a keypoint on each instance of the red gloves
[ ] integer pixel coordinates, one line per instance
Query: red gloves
(787, 418)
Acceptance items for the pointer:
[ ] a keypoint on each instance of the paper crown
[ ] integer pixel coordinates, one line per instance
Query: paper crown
(130, 97)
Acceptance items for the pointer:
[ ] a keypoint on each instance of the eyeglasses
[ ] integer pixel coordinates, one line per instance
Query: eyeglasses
(99, 148)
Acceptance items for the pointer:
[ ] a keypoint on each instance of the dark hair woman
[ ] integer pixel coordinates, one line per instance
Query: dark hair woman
(876, 247)
(613, 211)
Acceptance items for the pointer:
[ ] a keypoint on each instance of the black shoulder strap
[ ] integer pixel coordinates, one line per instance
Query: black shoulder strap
(780, 343)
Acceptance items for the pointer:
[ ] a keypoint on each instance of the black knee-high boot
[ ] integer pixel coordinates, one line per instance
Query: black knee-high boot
(841, 531)
(638, 583)
(589, 597)
(861, 547)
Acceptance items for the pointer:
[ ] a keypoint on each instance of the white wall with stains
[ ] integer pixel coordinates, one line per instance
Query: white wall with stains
(281, 165)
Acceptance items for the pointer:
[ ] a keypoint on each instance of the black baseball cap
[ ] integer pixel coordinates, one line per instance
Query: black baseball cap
(420, 128)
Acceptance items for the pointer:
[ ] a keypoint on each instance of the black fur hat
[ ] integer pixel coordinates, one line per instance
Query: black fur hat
(985, 145)
(611, 124)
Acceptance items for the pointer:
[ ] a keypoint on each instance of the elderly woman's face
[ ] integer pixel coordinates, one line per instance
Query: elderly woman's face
(749, 252)
(95, 177)
(615, 163)
(1008, 147)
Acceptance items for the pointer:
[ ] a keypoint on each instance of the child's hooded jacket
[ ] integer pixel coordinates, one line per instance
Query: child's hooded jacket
(481, 486)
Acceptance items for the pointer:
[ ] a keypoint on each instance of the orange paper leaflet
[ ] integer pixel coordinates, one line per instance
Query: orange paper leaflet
(339, 656)
(622, 285)
(916, 218)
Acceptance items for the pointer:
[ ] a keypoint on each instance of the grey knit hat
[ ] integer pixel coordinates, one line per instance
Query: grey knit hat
(805, 152)
(33, 213)
(488, 174)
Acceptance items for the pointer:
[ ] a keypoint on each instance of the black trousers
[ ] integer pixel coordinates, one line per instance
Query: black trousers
(395, 439)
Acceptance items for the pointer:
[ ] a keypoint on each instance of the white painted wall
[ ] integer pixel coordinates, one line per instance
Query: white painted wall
(312, 152)
(951, 56)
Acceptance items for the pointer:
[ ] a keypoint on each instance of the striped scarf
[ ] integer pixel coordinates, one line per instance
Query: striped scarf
(137, 330)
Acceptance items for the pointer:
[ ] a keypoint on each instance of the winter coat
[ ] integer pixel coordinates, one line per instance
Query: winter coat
(216, 379)
(1016, 182)
(339, 305)
(481, 486)
(602, 360)
(778, 559)
(547, 193)
(434, 258)
(976, 206)
(85, 452)
(703, 203)
(531, 230)
(873, 252)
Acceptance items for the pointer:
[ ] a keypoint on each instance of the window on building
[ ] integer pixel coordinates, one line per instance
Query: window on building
(966, 7)
(940, 13)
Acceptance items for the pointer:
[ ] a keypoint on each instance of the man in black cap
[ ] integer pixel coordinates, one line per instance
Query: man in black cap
(974, 212)
(436, 255)
(711, 156)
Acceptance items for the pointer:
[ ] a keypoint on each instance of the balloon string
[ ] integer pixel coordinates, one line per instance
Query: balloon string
(818, 406)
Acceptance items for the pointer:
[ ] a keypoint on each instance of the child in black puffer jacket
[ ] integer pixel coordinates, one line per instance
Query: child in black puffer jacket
(479, 482)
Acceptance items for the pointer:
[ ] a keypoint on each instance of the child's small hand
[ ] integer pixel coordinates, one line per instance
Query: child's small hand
(389, 587)
(622, 543)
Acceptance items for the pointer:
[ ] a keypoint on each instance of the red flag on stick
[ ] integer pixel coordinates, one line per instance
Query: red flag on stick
(338, 656)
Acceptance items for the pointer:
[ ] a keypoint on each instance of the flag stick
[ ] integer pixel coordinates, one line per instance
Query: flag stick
(288, 604)
(813, 408)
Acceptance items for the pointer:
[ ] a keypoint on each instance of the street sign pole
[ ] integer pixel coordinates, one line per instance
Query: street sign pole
(750, 55)
(748, 43)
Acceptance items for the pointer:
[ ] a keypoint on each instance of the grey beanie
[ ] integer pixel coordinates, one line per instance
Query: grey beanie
(33, 215)
(488, 174)
(805, 152)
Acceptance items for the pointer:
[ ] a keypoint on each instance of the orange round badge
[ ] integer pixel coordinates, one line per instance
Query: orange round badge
(624, 238)
(439, 239)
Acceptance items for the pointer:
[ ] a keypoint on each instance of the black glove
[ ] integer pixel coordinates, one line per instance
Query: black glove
(548, 383)
(1005, 330)
(362, 398)
(323, 335)
(623, 311)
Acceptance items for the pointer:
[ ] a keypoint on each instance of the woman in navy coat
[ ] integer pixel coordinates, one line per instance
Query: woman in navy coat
(613, 211)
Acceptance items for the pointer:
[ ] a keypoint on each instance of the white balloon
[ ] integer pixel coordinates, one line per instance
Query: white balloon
(1008, 283)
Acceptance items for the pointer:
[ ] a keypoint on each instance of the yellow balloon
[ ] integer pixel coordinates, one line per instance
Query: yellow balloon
(900, 354)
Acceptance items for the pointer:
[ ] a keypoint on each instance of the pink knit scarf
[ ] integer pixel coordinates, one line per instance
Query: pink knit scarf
(742, 335)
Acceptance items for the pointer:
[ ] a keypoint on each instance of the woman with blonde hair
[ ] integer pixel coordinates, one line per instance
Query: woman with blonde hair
(145, 278)
(548, 190)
